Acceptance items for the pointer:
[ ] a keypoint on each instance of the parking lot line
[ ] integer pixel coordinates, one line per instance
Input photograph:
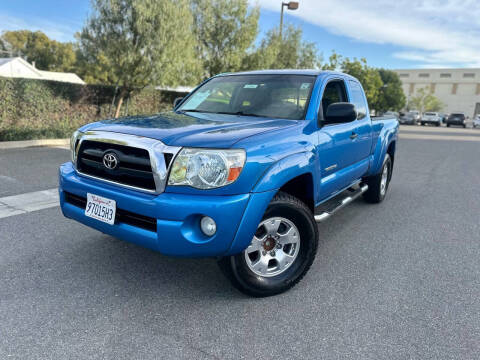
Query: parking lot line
(28, 202)
(439, 137)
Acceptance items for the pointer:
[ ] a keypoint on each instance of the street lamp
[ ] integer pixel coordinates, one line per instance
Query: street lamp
(291, 5)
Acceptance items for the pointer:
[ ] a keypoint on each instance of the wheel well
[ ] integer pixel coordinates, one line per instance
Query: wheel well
(302, 188)
(391, 150)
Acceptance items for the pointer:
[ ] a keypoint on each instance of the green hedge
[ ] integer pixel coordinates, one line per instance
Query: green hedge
(39, 109)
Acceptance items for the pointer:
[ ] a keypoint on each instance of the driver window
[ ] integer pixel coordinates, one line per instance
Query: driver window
(334, 92)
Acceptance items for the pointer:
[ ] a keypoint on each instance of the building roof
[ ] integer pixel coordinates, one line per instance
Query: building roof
(439, 69)
(17, 67)
(61, 76)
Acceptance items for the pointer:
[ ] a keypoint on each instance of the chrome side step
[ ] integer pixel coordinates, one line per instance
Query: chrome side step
(344, 202)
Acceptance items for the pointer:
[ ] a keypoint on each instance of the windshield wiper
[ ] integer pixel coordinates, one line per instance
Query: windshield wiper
(241, 113)
(195, 110)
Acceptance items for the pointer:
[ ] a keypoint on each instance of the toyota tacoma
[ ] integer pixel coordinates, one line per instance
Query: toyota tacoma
(241, 169)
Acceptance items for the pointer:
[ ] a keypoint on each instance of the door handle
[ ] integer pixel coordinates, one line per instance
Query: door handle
(353, 136)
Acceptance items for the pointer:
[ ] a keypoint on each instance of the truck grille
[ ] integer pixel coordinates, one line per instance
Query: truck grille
(122, 216)
(133, 167)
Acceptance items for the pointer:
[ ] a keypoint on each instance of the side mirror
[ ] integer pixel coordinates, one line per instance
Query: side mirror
(177, 101)
(338, 113)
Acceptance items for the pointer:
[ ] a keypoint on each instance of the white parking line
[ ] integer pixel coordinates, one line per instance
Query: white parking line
(25, 203)
(439, 137)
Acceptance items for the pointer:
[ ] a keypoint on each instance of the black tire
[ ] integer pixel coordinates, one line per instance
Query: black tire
(464, 126)
(374, 194)
(438, 124)
(423, 124)
(235, 267)
(448, 125)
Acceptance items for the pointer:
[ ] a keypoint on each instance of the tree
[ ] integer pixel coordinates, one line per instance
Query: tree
(391, 95)
(368, 77)
(224, 29)
(39, 48)
(288, 52)
(136, 43)
(383, 88)
(424, 100)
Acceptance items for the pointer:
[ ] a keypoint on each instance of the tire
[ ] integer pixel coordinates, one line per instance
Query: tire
(376, 190)
(464, 126)
(448, 125)
(438, 124)
(423, 124)
(263, 281)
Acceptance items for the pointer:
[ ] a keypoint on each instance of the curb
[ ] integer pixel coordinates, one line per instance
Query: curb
(30, 143)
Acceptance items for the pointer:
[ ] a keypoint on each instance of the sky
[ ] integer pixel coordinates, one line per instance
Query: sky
(393, 34)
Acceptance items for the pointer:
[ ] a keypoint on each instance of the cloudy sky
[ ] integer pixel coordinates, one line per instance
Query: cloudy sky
(389, 33)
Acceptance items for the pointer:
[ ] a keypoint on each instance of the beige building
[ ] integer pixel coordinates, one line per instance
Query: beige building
(19, 68)
(457, 89)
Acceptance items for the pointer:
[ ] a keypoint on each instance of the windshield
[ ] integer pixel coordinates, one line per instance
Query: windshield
(272, 96)
(431, 114)
(457, 115)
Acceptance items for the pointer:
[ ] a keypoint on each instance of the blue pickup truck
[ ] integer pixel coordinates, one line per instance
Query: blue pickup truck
(241, 169)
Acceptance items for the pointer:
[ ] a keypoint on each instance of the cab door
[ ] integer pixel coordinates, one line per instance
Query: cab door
(342, 151)
(363, 128)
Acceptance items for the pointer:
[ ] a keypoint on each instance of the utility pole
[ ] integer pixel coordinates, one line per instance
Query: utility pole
(291, 5)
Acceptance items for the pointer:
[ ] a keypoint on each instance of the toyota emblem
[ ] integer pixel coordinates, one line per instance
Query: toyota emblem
(110, 161)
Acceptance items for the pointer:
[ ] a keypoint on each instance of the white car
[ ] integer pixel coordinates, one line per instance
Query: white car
(476, 121)
(432, 118)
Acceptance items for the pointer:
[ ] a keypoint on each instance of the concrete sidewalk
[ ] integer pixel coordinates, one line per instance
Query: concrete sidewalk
(30, 143)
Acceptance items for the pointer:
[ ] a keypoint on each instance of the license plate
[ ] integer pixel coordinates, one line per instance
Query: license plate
(100, 208)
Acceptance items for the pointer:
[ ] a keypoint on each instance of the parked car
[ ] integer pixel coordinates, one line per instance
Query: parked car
(431, 118)
(392, 113)
(416, 115)
(476, 122)
(235, 171)
(456, 119)
(407, 119)
(444, 118)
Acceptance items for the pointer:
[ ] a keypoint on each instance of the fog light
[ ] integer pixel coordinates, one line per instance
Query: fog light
(208, 226)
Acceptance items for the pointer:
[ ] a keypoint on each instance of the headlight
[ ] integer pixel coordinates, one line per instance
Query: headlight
(206, 168)
(73, 142)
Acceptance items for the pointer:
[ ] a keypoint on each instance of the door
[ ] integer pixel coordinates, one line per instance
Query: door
(342, 151)
(363, 125)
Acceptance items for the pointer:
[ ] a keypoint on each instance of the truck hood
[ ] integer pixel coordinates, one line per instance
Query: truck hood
(198, 130)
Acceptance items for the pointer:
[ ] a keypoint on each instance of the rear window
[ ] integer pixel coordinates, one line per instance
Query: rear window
(458, 115)
(431, 114)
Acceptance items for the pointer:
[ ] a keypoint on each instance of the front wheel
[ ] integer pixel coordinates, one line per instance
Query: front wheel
(280, 253)
(378, 184)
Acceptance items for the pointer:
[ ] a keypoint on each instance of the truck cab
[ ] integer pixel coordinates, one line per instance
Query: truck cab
(241, 169)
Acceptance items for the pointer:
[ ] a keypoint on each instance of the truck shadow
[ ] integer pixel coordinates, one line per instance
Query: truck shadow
(136, 270)
(131, 270)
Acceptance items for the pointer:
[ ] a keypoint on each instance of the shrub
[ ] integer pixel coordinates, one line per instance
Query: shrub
(39, 109)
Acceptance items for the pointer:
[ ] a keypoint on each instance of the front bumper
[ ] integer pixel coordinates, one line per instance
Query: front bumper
(456, 122)
(177, 216)
(432, 122)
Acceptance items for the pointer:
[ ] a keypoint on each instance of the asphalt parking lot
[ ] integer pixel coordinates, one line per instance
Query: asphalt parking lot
(399, 280)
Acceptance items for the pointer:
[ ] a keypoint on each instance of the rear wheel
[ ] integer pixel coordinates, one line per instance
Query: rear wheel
(448, 125)
(280, 253)
(378, 184)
